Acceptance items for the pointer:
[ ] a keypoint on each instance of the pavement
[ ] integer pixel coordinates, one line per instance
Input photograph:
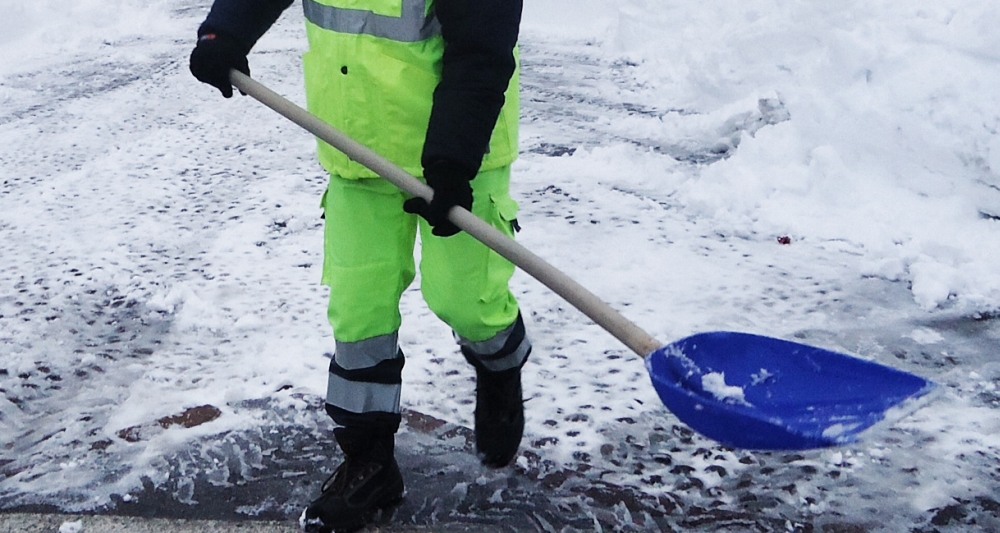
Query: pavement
(210, 488)
(448, 491)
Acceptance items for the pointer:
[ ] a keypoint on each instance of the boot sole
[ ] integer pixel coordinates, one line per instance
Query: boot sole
(363, 520)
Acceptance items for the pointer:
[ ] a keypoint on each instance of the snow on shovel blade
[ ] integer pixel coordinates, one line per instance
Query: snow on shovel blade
(755, 392)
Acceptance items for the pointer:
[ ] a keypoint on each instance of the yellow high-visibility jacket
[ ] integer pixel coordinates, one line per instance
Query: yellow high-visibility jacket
(371, 72)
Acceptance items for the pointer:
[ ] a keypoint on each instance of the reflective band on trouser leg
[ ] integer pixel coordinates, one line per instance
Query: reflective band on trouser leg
(367, 353)
(509, 349)
(358, 397)
(413, 25)
(365, 383)
(368, 263)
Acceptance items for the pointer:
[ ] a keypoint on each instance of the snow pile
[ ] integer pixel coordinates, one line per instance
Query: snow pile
(46, 32)
(891, 146)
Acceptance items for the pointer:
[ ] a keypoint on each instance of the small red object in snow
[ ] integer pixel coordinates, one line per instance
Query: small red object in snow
(784, 239)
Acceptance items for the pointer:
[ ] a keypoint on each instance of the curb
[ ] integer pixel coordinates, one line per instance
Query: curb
(59, 523)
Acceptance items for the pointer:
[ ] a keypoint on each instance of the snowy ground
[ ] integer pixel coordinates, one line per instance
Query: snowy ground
(161, 252)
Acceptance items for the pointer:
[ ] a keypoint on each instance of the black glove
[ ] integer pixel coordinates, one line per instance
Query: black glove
(214, 56)
(452, 186)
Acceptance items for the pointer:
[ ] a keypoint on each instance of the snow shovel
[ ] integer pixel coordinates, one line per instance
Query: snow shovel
(742, 390)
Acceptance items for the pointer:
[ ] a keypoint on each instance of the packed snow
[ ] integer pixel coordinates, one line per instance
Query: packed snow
(715, 384)
(818, 171)
(74, 526)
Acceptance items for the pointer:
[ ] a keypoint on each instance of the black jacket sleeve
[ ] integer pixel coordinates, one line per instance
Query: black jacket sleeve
(243, 20)
(479, 37)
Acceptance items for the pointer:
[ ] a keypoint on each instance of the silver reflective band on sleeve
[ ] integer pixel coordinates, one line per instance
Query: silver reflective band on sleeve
(362, 397)
(413, 26)
(366, 353)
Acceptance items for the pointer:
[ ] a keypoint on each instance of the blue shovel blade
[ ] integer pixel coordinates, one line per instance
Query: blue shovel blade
(755, 392)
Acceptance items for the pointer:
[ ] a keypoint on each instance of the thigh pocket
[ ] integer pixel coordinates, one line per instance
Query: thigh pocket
(503, 217)
(503, 214)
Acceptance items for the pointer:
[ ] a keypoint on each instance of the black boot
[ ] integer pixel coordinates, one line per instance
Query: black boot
(499, 415)
(499, 405)
(368, 480)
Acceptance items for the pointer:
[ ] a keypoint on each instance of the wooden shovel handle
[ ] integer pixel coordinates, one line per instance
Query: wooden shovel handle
(601, 313)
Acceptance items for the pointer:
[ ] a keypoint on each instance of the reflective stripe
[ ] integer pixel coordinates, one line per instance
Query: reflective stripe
(513, 360)
(413, 26)
(484, 351)
(366, 353)
(491, 345)
(360, 397)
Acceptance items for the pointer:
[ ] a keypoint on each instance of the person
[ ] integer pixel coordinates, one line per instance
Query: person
(432, 85)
